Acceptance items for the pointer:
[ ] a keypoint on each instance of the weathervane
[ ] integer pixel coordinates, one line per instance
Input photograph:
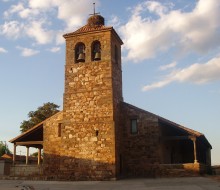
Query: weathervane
(94, 13)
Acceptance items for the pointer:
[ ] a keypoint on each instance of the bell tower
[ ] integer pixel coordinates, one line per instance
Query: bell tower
(93, 92)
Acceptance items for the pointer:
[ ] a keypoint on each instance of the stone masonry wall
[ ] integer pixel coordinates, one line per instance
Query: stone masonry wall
(140, 154)
(88, 151)
(182, 170)
(52, 146)
(88, 97)
(117, 96)
(26, 171)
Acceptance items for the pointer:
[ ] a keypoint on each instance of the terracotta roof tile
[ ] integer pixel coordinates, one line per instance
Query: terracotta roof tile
(88, 28)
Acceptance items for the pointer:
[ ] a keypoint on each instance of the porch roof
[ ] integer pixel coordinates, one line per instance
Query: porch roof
(179, 127)
(32, 137)
(35, 133)
(191, 132)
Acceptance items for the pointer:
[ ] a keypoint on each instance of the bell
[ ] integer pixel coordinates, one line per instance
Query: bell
(97, 56)
(81, 57)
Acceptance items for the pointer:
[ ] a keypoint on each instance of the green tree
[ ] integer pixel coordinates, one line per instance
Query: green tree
(4, 148)
(35, 154)
(35, 117)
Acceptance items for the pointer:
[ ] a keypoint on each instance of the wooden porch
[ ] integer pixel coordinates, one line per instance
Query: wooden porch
(31, 138)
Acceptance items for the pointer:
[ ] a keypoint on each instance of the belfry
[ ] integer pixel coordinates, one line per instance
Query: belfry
(92, 95)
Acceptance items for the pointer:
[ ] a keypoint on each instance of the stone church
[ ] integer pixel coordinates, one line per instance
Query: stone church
(98, 136)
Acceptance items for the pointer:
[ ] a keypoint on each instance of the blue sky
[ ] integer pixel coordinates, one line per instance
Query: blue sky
(171, 58)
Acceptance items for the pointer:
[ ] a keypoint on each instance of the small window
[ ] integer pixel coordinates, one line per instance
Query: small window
(96, 51)
(59, 129)
(96, 133)
(80, 53)
(134, 128)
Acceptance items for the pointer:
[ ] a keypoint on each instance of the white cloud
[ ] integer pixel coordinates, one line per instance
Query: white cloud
(21, 11)
(59, 37)
(195, 31)
(54, 49)
(37, 16)
(28, 13)
(72, 12)
(27, 52)
(35, 30)
(169, 66)
(114, 21)
(13, 9)
(159, 84)
(40, 4)
(156, 7)
(11, 29)
(196, 74)
(3, 50)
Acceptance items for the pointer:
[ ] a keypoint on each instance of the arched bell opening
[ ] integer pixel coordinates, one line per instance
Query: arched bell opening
(80, 52)
(96, 51)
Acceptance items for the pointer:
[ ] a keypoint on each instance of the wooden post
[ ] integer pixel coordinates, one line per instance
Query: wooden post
(14, 154)
(27, 155)
(39, 156)
(195, 151)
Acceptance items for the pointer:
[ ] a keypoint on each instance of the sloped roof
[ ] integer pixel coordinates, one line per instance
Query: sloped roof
(31, 133)
(18, 157)
(190, 131)
(173, 124)
(87, 29)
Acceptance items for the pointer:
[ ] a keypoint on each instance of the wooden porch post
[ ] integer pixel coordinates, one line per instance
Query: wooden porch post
(14, 154)
(39, 156)
(27, 155)
(195, 152)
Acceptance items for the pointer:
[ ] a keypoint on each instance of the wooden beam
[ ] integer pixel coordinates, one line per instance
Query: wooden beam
(29, 143)
(171, 138)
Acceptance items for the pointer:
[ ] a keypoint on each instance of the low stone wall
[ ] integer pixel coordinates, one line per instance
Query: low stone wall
(216, 170)
(26, 170)
(5, 167)
(182, 170)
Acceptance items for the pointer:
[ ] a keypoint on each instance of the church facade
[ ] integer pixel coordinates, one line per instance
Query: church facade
(98, 136)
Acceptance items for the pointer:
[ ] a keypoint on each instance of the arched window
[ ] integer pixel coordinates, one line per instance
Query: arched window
(96, 51)
(116, 54)
(80, 52)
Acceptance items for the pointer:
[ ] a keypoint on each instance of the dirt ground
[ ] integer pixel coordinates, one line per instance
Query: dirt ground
(184, 183)
(217, 178)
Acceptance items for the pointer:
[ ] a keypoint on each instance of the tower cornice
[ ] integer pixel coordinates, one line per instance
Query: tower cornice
(91, 30)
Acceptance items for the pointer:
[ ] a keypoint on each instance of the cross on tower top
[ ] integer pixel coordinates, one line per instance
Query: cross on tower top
(94, 13)
(95, 19)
